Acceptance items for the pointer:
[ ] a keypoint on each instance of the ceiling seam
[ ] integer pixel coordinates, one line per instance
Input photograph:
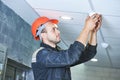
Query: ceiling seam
(62, 11)
(31, 7)
(106, 48)
(92, 8)
(75, 12)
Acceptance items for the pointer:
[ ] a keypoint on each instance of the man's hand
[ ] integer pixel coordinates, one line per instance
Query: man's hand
(93, 33)
(91, 21)
(92, 24)
(98, 24)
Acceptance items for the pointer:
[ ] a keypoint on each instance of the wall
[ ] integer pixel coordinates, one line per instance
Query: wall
(82, 72)
(15, 34)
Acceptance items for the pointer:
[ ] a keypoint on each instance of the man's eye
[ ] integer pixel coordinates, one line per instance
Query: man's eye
(57, 28)
(53, 29)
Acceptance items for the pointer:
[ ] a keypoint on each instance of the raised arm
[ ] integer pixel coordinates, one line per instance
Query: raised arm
(73, 54)
(91, 48)
(93, 33)
(90, 25)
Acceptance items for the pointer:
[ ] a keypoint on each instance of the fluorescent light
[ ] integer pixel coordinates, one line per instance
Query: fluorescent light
(94, 60)
(66, 17)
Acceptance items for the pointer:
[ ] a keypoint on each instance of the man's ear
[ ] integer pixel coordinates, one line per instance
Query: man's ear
(43, 35)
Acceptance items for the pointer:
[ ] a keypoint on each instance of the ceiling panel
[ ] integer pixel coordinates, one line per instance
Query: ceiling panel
(70, 28)
(61, 5)
(107, 7)
(114, 53)
(77, 18)
(111, 22)
(110, 32)
(114, 50)
(113, 41)
(70, 32)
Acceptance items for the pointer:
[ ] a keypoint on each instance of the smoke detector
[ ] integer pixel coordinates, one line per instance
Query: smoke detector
(92, 13)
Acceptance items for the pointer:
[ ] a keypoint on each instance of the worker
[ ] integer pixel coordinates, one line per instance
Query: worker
(50, 62)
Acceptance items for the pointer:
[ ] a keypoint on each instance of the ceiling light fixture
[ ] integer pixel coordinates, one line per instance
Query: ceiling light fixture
(104, 45)
(66, 17)
(94, 60)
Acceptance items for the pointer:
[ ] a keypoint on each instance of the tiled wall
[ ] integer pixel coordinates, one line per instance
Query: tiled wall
(15, 34)
(82, 72)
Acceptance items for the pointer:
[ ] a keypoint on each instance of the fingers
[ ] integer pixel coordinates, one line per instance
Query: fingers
(98, 24)
(95, 17)
(100, 18)
(87, 18)
(92, 21)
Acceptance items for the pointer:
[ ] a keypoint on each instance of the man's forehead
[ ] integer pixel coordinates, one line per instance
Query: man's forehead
(50, 24)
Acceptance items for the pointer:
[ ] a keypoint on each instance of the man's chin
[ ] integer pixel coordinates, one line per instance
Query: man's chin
(58, 41)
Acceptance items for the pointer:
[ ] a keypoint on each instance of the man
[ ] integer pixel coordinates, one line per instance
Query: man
(51, 63)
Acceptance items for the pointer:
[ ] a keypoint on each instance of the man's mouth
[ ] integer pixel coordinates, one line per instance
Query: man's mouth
(58, 36)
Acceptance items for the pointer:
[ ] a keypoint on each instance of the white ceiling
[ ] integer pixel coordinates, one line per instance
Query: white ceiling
(78, 10)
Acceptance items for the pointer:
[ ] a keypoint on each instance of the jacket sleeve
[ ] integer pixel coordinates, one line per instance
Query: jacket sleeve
(63, 58)
(89, 52)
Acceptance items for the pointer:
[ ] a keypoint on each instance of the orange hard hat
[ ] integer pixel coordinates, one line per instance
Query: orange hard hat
(38, 22)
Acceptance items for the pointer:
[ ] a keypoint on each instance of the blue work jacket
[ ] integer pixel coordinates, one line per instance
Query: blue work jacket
(54, 64)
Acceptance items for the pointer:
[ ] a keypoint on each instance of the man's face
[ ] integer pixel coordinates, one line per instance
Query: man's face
(52, 33)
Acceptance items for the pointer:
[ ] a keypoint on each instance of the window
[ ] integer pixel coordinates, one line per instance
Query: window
(15, 71)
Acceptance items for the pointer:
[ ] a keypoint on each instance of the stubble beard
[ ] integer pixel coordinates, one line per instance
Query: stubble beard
(55, 42)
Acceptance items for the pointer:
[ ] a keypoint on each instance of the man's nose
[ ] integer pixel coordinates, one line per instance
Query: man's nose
(57, 30)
